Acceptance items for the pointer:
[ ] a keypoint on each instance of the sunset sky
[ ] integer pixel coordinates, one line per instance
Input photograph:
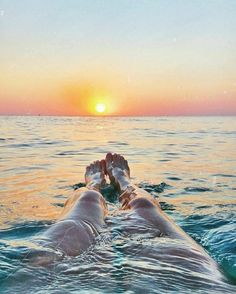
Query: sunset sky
(118, 57)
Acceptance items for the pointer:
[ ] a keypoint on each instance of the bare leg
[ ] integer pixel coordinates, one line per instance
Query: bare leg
(139, 200)
(81, 222)
(143, 209)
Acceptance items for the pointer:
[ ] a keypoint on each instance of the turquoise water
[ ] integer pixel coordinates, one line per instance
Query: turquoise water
(188, 163)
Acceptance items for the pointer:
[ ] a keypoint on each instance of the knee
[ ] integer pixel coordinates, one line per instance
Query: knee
(142, 202)
(91, 196)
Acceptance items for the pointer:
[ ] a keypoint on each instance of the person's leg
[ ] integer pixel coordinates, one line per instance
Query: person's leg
(141, 205)
(142, 213)
(81, 221)
(88, 203)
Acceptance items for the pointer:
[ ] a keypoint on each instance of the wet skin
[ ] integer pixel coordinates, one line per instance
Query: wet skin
(85, 211)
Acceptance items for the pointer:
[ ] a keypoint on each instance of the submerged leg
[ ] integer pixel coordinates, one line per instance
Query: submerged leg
(138, 200)
(81, 222)
(144, 211)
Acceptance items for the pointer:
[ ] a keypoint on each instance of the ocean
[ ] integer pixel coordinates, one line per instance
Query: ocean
(188, 163)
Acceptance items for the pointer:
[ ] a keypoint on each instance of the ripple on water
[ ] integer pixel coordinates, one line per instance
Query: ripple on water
(110, 267)
(224, 175)
(197, 189)
(221, 243)
(23, 230)
(154, 188)
(174, 178)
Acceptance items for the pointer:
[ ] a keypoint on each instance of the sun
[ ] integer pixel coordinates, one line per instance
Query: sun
(100, 108)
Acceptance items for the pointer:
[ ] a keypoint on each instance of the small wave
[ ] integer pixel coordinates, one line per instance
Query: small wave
(23, 230)
(172, 153)
(117, 143)
(174, 178)
(159, 188)
(224, 175)
(166, 206)
(67, 153)
(197, 189)
(78, 185)
(221, 243)
(23, 145)
(58, 204)
(49, 142)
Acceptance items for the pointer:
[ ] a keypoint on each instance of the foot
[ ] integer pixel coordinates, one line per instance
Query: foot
(95, 175)
(118, 171)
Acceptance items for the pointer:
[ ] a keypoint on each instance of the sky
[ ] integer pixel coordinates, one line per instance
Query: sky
(133, 57)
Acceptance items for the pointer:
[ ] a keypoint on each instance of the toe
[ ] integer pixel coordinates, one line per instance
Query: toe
(115, 159)
(127, 167)
(87, 169)
(126, 164)
(97, 166)
(109, 159)
(122, 161)
(103, 165)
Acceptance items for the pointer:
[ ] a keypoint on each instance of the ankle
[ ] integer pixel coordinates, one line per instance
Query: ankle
(93, 185)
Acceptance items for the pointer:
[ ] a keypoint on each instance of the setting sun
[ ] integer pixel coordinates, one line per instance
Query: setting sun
(100, 107)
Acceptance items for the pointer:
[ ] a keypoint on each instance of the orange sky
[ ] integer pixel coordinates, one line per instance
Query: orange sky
(136, 57)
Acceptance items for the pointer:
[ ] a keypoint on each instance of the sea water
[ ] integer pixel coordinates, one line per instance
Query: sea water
(187, 163)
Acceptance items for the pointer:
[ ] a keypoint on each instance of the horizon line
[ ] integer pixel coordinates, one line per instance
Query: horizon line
(119, 115)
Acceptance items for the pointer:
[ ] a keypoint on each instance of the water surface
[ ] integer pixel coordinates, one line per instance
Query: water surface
(187, 162)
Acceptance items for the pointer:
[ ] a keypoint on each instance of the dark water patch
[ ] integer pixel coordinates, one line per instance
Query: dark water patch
(224, 175)
(110, 193)
(68, 153)
(23, 230)
(6, 139)
(197, 189)
(22, 145)
(78, 185)
(58, 204)
(203, 207)
(172, 195)
(166, 206)
(230, 205)
(174, 178)
(159, 188)
(170, 133)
